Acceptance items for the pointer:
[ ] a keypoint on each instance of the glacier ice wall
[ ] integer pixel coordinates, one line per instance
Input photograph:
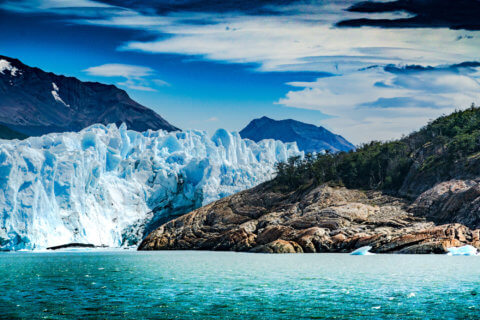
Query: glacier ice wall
(108, 186)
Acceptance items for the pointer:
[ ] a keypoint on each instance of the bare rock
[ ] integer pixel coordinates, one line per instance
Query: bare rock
(326, 219)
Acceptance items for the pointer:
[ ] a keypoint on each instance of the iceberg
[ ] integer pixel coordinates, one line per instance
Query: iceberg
(107, 185)
(363, 251)
(467, 250)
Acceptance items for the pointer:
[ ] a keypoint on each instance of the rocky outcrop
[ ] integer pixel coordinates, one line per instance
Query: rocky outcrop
(451, 201)
(323, 219)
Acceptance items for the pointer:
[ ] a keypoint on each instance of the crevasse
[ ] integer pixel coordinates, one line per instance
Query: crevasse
(110, 186)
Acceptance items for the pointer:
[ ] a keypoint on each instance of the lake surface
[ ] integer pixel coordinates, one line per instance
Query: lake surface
(224, 285)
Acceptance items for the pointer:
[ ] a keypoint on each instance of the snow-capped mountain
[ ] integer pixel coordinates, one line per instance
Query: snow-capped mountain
(308, 137)
(110, 186)
(34, 102)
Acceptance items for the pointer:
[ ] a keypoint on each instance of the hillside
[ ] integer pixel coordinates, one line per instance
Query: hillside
(308, 137)
(35, 102)
(446, 148)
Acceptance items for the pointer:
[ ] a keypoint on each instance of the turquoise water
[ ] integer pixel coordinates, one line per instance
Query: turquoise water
(223, 285)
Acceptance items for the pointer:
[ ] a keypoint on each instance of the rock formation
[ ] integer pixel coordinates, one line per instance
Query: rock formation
(324, 219)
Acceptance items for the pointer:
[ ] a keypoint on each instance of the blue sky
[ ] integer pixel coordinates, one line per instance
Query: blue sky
(366, 72)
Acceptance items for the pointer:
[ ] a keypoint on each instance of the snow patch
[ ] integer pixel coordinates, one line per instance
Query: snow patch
(104, 185)
(6, 66)
(56, 96)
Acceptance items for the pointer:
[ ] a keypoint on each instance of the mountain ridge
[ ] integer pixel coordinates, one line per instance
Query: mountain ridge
(309, 138)
(36, 102)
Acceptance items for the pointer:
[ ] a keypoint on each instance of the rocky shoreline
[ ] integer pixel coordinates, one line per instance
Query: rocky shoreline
(328, 219)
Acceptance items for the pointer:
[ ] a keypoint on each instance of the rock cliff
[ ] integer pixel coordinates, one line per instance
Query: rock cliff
(326, 219)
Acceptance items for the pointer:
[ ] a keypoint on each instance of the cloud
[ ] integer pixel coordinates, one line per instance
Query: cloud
(276, 35)
(213, 119)
(161, 83)
(79, 8)
(119, 70)
(136, 77)
(399, 94)
(458, 14)
(304, 42)
(386, 102)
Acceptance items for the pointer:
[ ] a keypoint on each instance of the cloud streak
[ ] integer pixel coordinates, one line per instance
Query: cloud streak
(385, 102)
(458, 14)
(135, 77)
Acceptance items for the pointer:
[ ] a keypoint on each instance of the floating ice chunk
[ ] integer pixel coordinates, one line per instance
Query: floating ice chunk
(467, 250)
(363, 251)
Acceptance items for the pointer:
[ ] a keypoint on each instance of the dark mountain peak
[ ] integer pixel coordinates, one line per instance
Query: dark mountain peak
(36, 102)
(309, 137)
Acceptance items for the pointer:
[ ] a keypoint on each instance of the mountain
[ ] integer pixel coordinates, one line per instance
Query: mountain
(7, 133)
(419, 194)
(34, 102)
(111, 186)
(309, 137)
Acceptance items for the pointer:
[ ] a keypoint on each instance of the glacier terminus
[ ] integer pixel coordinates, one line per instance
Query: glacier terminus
(107, 185)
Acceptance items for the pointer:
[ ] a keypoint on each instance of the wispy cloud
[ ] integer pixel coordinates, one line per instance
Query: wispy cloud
(120, 70)
(136, 77)
(78, 8)
(378, 104)
(280, 43)
(276, 35)
(460, 14)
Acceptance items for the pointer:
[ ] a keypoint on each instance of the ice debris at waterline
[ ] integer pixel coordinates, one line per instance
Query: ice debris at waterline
(363, 251)
(108, 186)
(467, 250)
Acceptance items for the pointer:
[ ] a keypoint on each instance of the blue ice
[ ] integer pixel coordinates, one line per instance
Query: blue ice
(467, 250)
(363, 251)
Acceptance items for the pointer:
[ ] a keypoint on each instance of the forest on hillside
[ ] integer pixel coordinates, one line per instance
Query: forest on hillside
(446, 148)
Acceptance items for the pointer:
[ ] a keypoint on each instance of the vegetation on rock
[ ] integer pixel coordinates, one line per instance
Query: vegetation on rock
(446, 148)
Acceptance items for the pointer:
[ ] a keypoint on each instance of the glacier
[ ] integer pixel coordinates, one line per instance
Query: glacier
(110, 186)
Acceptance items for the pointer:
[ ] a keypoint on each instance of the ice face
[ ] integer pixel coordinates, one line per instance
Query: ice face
(363, 251)
(467, 250)
(108, 185)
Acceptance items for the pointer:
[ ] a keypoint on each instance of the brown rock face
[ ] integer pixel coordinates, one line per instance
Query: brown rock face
(325, 219)
(451, 201)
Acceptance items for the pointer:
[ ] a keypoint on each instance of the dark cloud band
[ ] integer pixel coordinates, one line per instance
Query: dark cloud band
(453, 14)
(213, 6)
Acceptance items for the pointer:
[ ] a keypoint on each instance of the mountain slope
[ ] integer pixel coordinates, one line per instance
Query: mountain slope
(35, 102)
(445, 149)
(309, 137)
(7, 133)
